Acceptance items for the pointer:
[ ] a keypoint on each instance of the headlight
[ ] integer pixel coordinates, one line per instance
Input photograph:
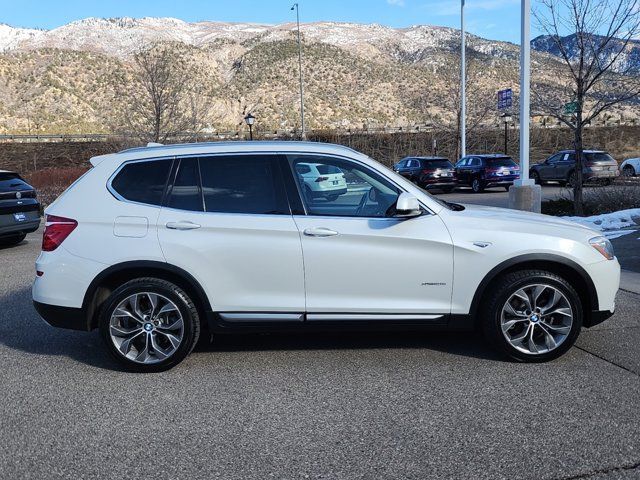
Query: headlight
(603, 245)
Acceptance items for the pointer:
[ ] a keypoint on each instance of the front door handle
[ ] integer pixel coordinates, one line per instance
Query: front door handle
(320, 232)
(184, 225)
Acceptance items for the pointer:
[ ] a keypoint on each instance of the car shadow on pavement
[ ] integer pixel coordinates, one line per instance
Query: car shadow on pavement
(22, 329)
(465, 344)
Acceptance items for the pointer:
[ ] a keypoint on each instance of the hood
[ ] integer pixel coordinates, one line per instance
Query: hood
(508, 220)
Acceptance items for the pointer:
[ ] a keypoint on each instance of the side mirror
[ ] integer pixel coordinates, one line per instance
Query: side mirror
(407, 206)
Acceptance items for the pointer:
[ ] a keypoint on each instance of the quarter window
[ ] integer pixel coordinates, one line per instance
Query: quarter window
(338, 187)
(143, 182)
(243, 184)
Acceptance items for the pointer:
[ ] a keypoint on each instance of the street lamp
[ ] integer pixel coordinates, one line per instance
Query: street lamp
(463, 84)
(297, 8)
(249, 119)
(506, 118)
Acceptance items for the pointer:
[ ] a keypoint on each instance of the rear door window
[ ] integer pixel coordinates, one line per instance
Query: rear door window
(249, 184)
(143, 182)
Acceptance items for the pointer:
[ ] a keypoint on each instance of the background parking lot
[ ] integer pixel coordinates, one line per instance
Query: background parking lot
(316, 406)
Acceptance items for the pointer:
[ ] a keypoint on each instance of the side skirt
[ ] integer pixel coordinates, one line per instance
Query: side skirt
(250, 322)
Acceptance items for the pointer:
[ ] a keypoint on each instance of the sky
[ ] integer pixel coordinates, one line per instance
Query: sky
(494, 19)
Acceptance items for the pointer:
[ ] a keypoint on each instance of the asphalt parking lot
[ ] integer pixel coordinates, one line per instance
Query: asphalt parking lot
(323, 406)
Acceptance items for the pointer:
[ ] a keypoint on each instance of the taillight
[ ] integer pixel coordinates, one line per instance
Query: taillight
(56, 230)
(322, 179)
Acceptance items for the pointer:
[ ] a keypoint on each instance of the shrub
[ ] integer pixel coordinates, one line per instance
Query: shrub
(597, 200)
(51, 182)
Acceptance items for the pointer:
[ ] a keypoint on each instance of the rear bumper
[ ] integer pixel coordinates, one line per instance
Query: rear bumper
(499, 182)
(10, 226)
(62, 317)
(596, 175)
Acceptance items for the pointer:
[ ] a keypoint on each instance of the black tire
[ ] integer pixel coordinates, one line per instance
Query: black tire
(500, 292)
(572, 179)
(477, 186)
(535, 176)
(332, 198)
(12, 240)
(628, 171)
(447, 189)
(186, 307)
(507, 187)
(562, 183)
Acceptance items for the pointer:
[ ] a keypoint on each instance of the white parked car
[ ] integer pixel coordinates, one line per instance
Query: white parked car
(321, 181)
(157, 246)
(630, 167)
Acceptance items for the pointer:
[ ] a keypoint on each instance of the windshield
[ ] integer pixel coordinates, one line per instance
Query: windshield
(500, 162)
(436, 164)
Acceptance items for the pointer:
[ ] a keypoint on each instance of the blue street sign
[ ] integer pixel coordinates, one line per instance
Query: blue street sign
(505, 99)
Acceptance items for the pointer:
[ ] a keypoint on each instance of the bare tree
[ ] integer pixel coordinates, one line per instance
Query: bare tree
(591, 37)
(164, 99)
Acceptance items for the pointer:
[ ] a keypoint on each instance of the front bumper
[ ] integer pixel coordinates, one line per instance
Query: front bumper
(62, 317)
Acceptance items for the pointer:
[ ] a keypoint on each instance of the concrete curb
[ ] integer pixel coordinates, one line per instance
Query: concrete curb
(630, 281)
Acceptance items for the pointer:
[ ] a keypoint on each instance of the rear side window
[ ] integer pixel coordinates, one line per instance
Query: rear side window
(243, 184)
(185, 192)
(143, 182)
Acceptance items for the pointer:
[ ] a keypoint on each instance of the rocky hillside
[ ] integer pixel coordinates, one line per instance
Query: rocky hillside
(70, 79)
(627, 62)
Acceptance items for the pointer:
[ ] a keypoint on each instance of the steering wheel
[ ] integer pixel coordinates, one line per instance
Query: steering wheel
(363, 202)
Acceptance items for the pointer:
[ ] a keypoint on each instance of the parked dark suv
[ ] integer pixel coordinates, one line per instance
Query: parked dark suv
(561, 167)
(485, 171)
(428, 172)
(19, 208)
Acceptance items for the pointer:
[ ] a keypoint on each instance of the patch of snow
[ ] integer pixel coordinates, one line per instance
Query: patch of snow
(610, 223)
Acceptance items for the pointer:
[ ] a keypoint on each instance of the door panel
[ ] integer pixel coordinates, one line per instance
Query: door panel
(377, 265)
(358, 260)
(244, 261)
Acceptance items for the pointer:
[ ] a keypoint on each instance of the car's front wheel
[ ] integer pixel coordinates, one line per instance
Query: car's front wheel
(628, 171)
(149, 324)
(477, 186)
(532, 315)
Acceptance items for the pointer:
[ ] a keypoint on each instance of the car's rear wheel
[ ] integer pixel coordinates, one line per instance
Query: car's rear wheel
(11, 240)
(532, 316)
(447, 189)
(149, 324)
(477, 186)
(572, 180)
(332, 198)
(535, 176)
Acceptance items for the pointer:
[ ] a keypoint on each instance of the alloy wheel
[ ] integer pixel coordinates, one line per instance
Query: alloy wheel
(536, 319)
(146, 328)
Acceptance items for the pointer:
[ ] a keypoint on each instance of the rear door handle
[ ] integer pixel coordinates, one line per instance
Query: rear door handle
(182, 225)
(320, 232)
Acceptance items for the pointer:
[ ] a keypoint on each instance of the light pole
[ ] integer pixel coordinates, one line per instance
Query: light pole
(249, 119)
(303, 134)
(463, 85)
(525, 194)
(506, 118)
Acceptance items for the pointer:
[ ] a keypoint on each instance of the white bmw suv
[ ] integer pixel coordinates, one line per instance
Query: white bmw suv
(159, 245)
